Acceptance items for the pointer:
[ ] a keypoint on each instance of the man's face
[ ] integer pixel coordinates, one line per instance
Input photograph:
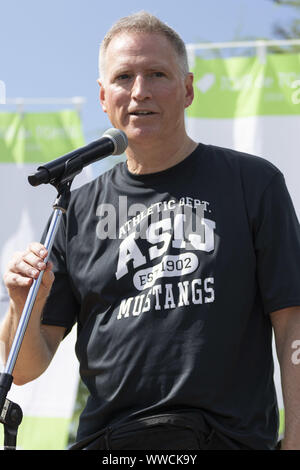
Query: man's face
(144, 92)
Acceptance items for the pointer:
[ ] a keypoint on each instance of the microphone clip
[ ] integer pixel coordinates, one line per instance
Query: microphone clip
(72, 167)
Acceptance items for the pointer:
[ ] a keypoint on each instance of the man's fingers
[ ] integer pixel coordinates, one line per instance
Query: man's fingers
(29, 263)
(38, 249)
(35, 261)
(19, 266)
(14, 280)
(23, 269)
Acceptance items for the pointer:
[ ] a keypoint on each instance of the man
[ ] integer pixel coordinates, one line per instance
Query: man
(175, 292)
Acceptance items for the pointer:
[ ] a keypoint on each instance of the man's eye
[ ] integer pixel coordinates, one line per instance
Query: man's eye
(158, 74)
(123, 76)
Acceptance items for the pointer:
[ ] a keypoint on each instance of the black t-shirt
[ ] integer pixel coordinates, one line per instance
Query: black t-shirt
(171, 278)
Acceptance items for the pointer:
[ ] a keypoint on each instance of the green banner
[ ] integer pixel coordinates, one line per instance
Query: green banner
(26, 140)
(38, 137)
(41, 433)
(244, 86)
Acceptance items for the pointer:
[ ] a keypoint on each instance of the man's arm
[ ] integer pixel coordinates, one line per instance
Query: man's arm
(286, 325)
(40, 341)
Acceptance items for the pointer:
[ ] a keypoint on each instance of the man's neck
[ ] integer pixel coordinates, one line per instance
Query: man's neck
(155, 158)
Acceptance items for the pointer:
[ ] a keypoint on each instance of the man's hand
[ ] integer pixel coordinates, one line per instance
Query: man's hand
(40, 341)
(23, 268)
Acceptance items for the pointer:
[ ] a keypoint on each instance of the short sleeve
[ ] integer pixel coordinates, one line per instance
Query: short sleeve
(277, 245)
(61, 308)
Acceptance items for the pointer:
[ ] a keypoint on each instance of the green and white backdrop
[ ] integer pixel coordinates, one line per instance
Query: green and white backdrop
(244, 103)
(251, 104)
(27, 140)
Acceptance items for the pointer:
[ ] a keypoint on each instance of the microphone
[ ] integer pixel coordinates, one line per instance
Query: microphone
(113, 142)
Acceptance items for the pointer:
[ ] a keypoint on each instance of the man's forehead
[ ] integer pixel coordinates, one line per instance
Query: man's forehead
(134, 42)
(144, 48)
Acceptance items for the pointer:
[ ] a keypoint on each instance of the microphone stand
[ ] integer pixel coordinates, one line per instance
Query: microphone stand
(10, 413)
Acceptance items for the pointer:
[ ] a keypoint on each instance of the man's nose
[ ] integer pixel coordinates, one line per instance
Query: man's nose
(141, 89)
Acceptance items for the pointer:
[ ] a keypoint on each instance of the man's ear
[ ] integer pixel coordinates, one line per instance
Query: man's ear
(102, 95)
(189, 97)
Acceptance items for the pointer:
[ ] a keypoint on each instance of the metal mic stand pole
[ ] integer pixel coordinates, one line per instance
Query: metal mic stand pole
(10, 413)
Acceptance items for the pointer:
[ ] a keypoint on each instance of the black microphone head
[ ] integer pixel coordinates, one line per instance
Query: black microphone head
(119, 139)
(41, 176)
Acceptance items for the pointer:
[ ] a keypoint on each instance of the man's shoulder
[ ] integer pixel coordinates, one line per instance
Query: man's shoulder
(243, 158)
(249, 165)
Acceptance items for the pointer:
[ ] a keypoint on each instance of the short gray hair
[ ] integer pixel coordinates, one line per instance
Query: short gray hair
(144, 22)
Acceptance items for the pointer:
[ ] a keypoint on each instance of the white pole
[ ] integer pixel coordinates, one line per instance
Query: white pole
(77, 101)
(232, 44)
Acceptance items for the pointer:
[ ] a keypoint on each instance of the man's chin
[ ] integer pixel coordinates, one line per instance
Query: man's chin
(141, 135)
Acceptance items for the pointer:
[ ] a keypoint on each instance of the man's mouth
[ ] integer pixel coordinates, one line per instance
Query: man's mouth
(141, 113)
